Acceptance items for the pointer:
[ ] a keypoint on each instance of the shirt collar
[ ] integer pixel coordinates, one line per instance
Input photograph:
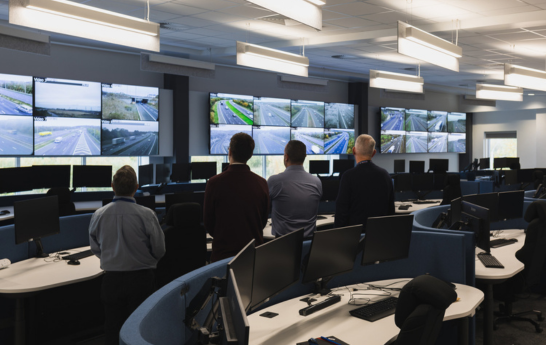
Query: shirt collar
(294, 167)
(124, 198)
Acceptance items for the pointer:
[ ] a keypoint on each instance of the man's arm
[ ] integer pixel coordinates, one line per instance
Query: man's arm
(343, 203)
(93, 242)
(209, 217)
(156, 236)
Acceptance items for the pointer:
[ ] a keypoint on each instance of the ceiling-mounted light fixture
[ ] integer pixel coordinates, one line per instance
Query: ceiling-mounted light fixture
(307, 12)
(528, 78)
(256, 56)
(421, 45)
(75, 19)
(396, 81)
(317, 2)
(499, 92)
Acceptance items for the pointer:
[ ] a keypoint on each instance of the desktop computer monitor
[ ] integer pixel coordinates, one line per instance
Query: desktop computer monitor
(511, 205)
(162, 173)
(403, 183)
(399, 166)
(181, 172)
(476, 219)
(422, 182)
(16, 179)
(276, 267)
(50, 176)
(225, 166)
(510, 177)
(332, 253)
(330, 188)
(500, 162)
(319, 167)
(145, 174)
(439, 166)
(243, 267)
(526, 175)
(387, 239)
(455, 212)
(92, 176)
(203, 170)
(36, 218)
(342, 165)
(417, 167)
(177, 198)
(235, 328)
(484, 163)
(146, 201)
(439, 181)
(489, 201)
(512, 162)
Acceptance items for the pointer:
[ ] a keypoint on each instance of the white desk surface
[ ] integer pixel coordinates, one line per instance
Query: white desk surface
(289, 327)
(505, 255)
(414, 207)
(35, 274)
(268, 234)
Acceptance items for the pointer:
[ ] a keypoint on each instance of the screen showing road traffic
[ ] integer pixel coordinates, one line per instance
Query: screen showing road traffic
(64, 136)
(307, 114)
(231, 109)
(270, 140)
(416, 120)
(437, 121)
(339, 141)
(128, 102)
(339, 115)
(15, 95)
(313, 138)
(393, 142)
(271, 111)
(456, 123)
(130, 138)
(16, 135)
(416, 142)
(392, 119)
(456, 142)
(220, 136)
(437, 142)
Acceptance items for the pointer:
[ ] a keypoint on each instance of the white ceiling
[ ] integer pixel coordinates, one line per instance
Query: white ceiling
(492, 32)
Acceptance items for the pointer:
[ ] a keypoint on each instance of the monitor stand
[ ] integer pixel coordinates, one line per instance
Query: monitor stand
(40, 248)
(320, 286)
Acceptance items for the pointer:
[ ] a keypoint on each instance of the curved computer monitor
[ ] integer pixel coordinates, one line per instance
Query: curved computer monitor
(476, 219)
(243, 267)
(235, 328)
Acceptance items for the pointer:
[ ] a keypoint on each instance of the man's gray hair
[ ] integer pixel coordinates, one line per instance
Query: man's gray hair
(364, 145)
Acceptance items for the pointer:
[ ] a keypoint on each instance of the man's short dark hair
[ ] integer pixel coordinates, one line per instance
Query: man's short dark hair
(296, 151)
(125, 181)
(242, 147)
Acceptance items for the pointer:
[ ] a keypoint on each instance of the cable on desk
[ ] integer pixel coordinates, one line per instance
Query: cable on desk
(386, 287)
(55, 257)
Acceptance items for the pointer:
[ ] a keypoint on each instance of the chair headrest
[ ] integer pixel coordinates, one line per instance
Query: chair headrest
(184, 215)
(536, 210)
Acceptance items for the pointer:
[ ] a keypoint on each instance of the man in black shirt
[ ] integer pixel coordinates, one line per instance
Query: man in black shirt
(365, 190)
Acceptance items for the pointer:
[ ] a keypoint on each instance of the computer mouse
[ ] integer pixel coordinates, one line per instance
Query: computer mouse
(74, 262)
(4, 212)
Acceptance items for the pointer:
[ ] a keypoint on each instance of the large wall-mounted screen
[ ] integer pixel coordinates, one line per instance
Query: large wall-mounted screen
(313, 138)
(65, 136)
(416, 120)
(307, 114)
(437, 121)
(392, 119)
(271, 111)
(231, 109)
(220, 136)
(128, 102)
(67, 98)
(339, 141)
(16, 135)
(339, 115)
(437, 142)
(270, 140)
(416, 142)
(15, 94)
(456, 142)
(393, 142)
(456, 122)
(130, 138)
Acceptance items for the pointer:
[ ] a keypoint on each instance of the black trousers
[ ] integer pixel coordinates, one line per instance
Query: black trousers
(122, 293)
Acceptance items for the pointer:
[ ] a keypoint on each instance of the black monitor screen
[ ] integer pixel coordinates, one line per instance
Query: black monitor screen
(162, 173)
(489, 201)
(439, 166)
(177, 198)
(16, 179)
(146, 201)
(203, 170)
(330, 189)
(236, 329)
(511, 205)
(92, 176)
(416, 167)
(332, 253)
(500, 163)
(484, 163)
(181, 172)
(403, 183)
(456, 210)
(36, 218)
(477, 220)
(526, 175)
(512, 162)
(423, 182)
(439, 181)
(243, 267)
(511, 177)
(276, 267)
(145, 174)
(387, 239)
(342, 165)
(49, 176)
(319, 167)
(399, 166)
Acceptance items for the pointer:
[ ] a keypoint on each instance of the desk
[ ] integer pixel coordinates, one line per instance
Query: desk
(491, 276)
(414, 207)
(289, 327)
(328, 220)
(33, 275)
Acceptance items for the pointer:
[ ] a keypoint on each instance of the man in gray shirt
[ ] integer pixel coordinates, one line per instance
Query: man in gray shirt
(295, 194)
(129, 242)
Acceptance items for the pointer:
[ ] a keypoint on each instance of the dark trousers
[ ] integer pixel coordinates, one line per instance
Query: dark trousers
(122, 293)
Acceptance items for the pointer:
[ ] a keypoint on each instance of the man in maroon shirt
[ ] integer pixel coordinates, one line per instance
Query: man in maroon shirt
(236, 202)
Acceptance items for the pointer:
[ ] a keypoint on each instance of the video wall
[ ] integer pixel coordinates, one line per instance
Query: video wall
(61, 117)
(422, 131)
(324, 128)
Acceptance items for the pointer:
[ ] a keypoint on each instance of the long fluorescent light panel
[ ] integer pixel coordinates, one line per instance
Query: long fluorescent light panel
(499, 92)
(396, 81)
(528, 78)
(299, 10)
(255, 56)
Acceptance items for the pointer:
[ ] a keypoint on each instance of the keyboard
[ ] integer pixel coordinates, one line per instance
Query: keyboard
(78, 256)
(501, 242)
(419, 202)
(489, 261)
(376, 311)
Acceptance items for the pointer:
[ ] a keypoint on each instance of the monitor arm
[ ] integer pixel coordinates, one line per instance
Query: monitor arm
(40, 248)
(320, 286)
(422, 195)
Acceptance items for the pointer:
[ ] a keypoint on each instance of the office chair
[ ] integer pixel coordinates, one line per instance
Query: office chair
(452, 189)
(185, 243)
(66, 206)
(420, 310)
(533, 256)
(538, 176)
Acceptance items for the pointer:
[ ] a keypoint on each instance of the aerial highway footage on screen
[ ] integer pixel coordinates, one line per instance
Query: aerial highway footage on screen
(416, 120)
(339, 115)
(416, 142)
(392, 119)
(271, 111)
(339, 141)
(270, 140)
(220, 135)
(16, 135)
(456, 142)
(67, 98)
(456, 122)
(130, 138)
(437, 142)
(231, 109)
(15, 95)
(393, 141)
(437, 121)
(307, 114)
(61, 136)
(128, 102)
(313, 138)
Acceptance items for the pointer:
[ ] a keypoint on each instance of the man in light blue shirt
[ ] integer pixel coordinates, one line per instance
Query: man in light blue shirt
(295, 194)
(129, 242)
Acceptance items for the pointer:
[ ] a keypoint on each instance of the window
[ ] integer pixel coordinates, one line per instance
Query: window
(8, 162)
(500, 144)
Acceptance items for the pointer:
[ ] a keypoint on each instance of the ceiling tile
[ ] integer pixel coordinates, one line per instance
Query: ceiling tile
(246, 11)
(218, 17)
(391, 17)
(511, 10)
(181, 10)
(192, 21)
(329, 15)
(213, 5)
(356, 9)
(352, 22)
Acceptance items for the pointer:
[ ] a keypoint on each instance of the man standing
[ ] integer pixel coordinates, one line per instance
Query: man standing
(295, 194)
(365, 190)
(129, 242)
(236, 202)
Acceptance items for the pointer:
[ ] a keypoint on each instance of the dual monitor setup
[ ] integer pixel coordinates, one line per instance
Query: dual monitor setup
(439, 166)
(62, 117)
(257, 274)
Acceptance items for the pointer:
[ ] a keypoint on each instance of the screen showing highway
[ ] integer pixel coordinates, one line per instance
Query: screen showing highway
(128, 102)
(220, 135)
(339, 141)
(416, 120)
(416, 142)
(231, 109)
(339, 115)
(437, 121)
(16, 135)
(456, 142)
(437, 142)
(307, 114)
(61, 136)
(270, 140)
(130, 138)
(271, 111)
(456, 123)
(15, 95)
(313, 138)
(392, 119)
(67, 98)
(393, 142)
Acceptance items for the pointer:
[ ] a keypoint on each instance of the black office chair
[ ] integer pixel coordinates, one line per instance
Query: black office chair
(420, 310)
(538, 177)
(452, 189)
(66, 206)
(533, 256)
(185, 243)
